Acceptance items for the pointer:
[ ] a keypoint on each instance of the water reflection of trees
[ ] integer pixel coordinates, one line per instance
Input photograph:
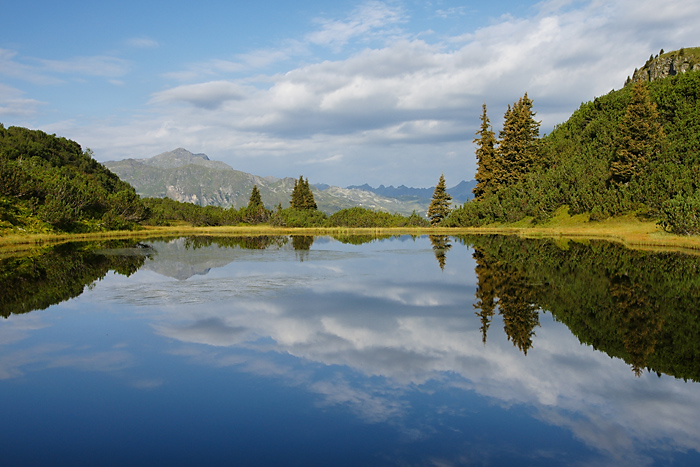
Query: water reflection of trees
(638, 306)
(47, 276)
(256, 242)
(441, 245)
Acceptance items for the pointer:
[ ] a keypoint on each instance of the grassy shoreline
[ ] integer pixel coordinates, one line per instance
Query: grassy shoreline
(629, 231)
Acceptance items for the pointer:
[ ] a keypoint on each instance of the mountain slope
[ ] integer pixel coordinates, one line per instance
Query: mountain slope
(49, 183)
(648, 132)
(193, 178)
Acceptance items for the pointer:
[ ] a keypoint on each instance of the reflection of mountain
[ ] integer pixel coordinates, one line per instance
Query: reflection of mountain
(177, 259)
(185, 257)
(401, 323)
(379, 329)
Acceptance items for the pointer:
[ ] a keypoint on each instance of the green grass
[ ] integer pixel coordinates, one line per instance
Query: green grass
(628, 230)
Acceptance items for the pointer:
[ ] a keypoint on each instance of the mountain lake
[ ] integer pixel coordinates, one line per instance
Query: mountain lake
(291, 350)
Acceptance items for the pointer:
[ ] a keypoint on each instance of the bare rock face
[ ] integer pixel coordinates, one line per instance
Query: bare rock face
(669, 64)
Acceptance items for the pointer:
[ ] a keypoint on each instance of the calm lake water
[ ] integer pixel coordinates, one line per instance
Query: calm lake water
(320, 351)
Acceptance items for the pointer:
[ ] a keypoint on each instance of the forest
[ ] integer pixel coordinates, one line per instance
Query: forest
(634, 150)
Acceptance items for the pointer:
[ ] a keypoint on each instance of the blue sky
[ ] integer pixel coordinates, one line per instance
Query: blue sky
(343, 92)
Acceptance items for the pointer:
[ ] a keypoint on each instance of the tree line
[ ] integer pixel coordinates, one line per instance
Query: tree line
(634, 150)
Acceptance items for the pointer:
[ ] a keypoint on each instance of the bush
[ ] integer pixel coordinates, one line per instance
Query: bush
(681, 215)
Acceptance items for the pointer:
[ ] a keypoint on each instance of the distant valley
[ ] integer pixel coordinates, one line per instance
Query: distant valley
(194, 178)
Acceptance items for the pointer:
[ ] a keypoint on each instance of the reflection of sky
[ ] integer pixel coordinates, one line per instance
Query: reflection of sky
(377, 331)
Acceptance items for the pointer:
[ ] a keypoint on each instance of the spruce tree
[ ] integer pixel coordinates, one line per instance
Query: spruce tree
(302, 196)
(640, 137)
(255, 200)
(517, 150)
(485, 157)
(309, 201)
(440, 205)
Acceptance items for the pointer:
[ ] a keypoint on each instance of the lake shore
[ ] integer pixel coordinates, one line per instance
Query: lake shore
(628, 230)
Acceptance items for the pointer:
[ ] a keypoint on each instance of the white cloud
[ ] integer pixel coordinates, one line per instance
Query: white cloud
(13, 104)
(401, 107)
(142, 43)
(209, 95)
(368, 20)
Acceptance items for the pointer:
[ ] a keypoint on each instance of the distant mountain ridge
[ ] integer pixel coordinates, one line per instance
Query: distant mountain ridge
(181, 175)
(460, 193)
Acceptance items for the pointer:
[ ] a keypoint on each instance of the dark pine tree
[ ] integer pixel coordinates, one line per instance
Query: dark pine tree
(641, 137)
(518, 146)
(302, 197)
(440, 205)
(485, 157)
(255, 200)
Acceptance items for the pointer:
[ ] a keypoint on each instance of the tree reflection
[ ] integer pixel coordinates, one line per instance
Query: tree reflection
(503, 285)
(635, 305)
(302, 245)
(46, 276)
(441, 245)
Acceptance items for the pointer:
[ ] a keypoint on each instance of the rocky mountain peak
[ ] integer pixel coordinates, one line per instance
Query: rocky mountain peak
(181, 157)
(669, 64)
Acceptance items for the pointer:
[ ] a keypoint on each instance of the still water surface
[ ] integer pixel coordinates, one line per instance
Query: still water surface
(303, 351)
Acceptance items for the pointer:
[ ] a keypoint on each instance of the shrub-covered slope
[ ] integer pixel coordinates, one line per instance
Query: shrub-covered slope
(608, 159)
(49, 183)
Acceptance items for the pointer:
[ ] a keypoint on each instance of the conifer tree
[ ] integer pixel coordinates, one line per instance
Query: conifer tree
(485, 157)
(255, 200)
(440, 205)
(302, 196)
(309, 201)
(641, 136)
(517, 150)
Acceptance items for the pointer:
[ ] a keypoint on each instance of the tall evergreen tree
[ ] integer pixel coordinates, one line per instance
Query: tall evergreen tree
(518, 146)
(440, 205)
(485, 157)
(302, 196)
(255, 200)
(641, 136)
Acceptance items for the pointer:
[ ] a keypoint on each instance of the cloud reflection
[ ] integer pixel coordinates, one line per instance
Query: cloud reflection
(371, 314)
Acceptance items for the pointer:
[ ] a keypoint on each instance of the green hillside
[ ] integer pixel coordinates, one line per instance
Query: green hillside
(633, 150)
(49, 183)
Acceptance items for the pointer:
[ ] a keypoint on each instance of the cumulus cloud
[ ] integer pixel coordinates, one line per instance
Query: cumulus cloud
(397, 105)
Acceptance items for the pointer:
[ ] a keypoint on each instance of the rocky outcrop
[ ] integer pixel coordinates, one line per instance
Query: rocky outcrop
(669, 64)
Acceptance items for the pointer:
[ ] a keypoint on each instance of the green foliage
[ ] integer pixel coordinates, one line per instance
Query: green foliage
(302, 196)
(440, 205)
(517, 149)
(49, 183)
(681, 215)
(362, 217)
(486, 155)
(291, 217)
(616, 135)
(641, 137)
(255, 200)
(164, 211)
